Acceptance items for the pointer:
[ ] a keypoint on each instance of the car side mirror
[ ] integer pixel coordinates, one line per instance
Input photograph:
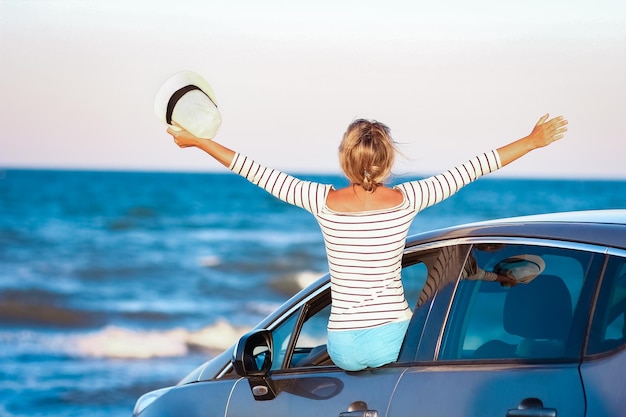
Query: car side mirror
(252, 359)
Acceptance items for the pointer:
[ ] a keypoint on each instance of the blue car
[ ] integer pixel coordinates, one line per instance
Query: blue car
(512, 317)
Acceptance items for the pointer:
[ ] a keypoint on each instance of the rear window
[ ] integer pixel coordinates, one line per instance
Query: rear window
(608, 329)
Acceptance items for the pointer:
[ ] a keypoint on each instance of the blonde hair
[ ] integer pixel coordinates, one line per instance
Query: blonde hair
(367, 153)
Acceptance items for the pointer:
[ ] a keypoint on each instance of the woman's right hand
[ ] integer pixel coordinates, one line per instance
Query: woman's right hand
(185, 139)
(182, 137)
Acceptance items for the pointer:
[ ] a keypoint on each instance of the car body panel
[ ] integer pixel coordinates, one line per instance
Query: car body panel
(318, 393)
(206, 399)
(487, 390)
(605, 388)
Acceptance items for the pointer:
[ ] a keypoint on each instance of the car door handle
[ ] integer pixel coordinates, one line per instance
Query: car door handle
(360, 413)
(531, 407)
(359, 409)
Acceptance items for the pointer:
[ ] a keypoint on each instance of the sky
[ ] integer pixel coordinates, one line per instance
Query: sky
(451, 78)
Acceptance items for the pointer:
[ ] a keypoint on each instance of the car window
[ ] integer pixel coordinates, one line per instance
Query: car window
(608, 329)
(313, 332)
(281, 336)
(413, 279)
(536, 318)
(301, 340)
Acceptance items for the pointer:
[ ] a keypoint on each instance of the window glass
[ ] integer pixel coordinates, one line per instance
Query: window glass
(301, 339)
(310, 347)
(518, 302)
(429, 277)
(281, 337)
(313, 332)
(413, 279)
(608, 329)
(431, 271)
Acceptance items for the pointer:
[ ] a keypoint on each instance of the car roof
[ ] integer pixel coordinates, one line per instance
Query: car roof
(598, 227)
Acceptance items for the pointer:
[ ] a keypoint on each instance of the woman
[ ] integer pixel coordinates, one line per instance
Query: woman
(365, 226)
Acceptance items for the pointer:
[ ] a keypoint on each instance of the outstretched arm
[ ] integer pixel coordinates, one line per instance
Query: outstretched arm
(305, 194)
(544, 133)
(184, 139)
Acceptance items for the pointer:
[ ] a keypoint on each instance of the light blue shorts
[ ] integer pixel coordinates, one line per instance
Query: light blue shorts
(354, 350)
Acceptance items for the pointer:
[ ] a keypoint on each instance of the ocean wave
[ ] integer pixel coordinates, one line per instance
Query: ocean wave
(38, 308)
(123, 343)
(290, 284)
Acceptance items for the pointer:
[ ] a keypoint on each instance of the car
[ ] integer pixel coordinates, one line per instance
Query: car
(553, 342)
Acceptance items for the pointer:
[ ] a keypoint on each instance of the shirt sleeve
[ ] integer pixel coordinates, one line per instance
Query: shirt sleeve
(308, 195)
(429, 191)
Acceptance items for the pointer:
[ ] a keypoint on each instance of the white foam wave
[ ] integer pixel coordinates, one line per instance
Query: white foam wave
(123, 343)
(209, 261)
(292, 283)
(306, 278)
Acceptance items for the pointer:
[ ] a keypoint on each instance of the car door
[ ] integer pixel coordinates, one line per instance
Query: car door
(299, 384)
(302, 382)
(507, 350)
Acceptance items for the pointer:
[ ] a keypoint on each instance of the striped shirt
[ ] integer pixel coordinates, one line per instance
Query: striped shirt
(364, 249)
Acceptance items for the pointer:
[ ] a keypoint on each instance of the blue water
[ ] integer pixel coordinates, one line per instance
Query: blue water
(116, 283)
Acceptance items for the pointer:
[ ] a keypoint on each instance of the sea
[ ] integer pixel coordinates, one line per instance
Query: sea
(114, 283)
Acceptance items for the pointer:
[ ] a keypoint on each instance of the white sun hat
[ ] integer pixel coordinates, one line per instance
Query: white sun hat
(189, 100)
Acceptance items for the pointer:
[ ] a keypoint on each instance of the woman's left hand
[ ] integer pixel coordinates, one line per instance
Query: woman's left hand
(185, 139)
(547, 131)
